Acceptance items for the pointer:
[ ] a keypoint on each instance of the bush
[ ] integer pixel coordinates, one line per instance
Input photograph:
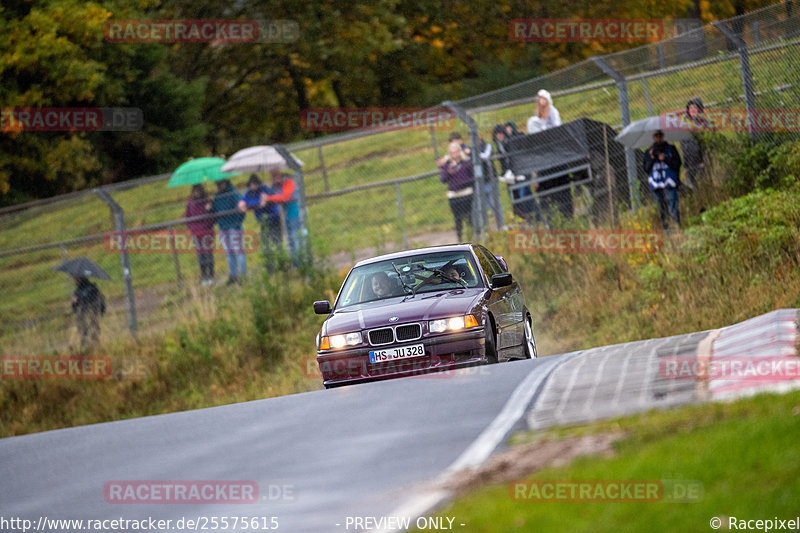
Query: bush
(755, 165)
(736, 260)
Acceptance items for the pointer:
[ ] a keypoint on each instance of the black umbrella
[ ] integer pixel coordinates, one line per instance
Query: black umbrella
(80, 266)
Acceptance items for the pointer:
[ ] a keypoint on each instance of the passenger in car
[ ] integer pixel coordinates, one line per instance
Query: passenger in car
(381, 285)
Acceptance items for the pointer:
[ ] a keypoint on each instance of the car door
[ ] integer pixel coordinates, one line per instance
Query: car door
(517, 298)
(502, 302)
(518, 310)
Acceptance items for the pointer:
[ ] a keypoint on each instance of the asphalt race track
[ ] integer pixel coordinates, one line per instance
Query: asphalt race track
(320, 457)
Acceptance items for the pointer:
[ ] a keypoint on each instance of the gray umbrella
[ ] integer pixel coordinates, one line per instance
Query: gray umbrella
(639, 134)
(81, 266)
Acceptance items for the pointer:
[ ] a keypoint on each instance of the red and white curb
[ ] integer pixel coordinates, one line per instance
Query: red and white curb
(754, 356)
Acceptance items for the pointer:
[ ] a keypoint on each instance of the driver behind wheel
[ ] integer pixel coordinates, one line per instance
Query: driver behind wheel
(453, 273)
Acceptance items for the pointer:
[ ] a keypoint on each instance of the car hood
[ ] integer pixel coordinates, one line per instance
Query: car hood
(425, 306)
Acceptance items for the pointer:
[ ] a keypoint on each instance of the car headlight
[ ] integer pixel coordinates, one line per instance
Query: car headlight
(340, 341)
(452, 324)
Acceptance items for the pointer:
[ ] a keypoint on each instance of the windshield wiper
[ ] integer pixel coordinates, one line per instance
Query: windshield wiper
(439, 272)
(406, 288)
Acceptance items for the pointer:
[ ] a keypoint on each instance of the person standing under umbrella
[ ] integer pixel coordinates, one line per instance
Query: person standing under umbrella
(230, 229)
(663, 165)
(202, 231)
(268, 217)
(88, 304)
(288, 197)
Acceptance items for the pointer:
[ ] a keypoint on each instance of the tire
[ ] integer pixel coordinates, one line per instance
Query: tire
(490, 345)
(529, 343)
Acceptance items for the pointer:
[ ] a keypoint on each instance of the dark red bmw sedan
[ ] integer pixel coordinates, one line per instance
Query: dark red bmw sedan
(422, 311)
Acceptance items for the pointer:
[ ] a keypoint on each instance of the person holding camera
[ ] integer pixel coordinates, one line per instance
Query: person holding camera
(663, 165)
(458, 174)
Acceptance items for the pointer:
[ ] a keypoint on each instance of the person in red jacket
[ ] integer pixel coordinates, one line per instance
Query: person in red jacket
(202, 232)
(288, 198)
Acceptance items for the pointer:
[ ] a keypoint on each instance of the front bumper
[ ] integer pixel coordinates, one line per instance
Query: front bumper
(446, 351)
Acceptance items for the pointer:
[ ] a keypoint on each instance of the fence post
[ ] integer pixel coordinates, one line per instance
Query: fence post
(324, 170)
(305, 244)
(479, 216)
(400, 214)
(63, 260)
(435, 144)
(647, 96)
(747, 76)
(119, 225)
(625, 113)
(175, 255)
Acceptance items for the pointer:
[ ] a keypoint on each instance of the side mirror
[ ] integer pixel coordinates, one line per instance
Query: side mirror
(502, 262)
(502, 280)
(322, 307)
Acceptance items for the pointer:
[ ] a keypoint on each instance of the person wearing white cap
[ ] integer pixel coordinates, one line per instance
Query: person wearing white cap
(547, 116)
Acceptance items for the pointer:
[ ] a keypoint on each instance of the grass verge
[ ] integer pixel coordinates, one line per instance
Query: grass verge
(221, 346)
(744, 454)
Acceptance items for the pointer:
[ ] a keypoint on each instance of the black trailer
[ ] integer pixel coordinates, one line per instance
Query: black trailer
(557, 160)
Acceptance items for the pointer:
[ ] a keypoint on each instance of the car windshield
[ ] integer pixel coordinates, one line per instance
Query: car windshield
(409, 275)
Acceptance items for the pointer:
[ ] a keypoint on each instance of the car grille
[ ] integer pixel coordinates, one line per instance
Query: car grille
(408, 332)
(381, 336)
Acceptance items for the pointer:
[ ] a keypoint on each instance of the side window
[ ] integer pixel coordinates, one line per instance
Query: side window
(486, 265)
(496, 266)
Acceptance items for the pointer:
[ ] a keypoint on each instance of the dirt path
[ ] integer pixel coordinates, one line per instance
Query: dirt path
(524, 460)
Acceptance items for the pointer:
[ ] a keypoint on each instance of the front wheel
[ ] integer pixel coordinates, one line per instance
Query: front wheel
(489, 344)
(530, 343)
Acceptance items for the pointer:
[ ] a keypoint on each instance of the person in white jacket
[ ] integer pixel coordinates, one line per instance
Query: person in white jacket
(547, 116)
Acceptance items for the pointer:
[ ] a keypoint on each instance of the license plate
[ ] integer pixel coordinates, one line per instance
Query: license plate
(399, 352)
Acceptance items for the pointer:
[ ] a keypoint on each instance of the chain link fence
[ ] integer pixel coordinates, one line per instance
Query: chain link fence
(381, 189)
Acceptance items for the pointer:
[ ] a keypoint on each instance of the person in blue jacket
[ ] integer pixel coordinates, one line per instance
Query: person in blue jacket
(230, 229)
(663, 165)
(268, 215)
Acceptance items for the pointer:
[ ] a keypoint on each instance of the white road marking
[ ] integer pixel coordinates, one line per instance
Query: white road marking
(482, 447)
